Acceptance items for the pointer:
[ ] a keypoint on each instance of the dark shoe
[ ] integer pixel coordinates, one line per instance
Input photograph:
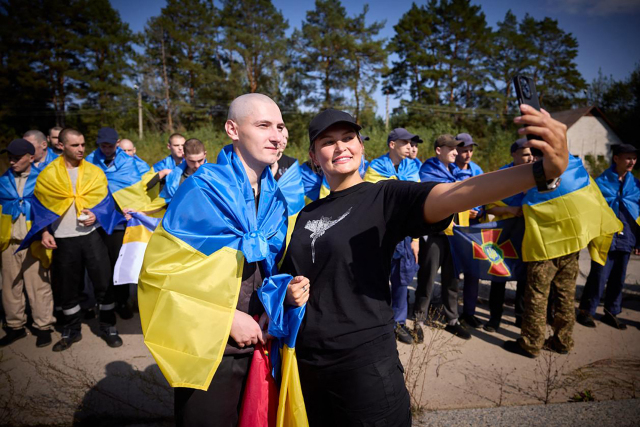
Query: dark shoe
(551, 345)
(585, 319)
(43, 338)
(417, 333)
(68, 338)
(518, 322)
(12, 336)
(514, 347)
(458, 330)
(124, 312)
(111, 337)
(402, 334)
(613, 321)
(491, 326)
(470, 321)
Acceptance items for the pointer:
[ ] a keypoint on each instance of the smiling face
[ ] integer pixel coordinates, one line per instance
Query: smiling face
(446, 155)
(257, 133)
(337, 151)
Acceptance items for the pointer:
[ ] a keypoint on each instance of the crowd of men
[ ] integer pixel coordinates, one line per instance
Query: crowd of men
(64, 214)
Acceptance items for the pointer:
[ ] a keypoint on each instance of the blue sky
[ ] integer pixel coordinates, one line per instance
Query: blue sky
(608, 31)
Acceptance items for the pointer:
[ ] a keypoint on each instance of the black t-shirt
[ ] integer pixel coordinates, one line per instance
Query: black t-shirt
(284, 163)
(343, 244)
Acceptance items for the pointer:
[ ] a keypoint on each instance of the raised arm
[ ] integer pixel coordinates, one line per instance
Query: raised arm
(446, 199)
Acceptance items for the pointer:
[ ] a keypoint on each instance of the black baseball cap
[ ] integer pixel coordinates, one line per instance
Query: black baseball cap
(466, 139)
(328, 118)
(19, 147)
(623, 148)
(518, 144)
(402, 133)
(108, 135)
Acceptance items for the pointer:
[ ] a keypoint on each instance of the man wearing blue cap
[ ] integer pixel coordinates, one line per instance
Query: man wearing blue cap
(464, 169)
(397, 164)
(22, 270)
(622, 191)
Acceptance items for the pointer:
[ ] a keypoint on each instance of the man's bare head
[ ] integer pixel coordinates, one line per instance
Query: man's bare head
(255, 126)
(127, 146)
(244, 105)
(39, 141)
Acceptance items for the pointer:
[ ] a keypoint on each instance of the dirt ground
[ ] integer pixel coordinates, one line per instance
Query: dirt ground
(92, 384)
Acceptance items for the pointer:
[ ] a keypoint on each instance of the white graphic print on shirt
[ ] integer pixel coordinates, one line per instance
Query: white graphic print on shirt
(318, 227)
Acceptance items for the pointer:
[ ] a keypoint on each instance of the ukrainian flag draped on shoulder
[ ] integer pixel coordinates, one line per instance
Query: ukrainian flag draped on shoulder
(124, 177)
(284, 324)
(192, 269)
(166, 163)
(628, 195)
(50, 157)
(433, 170)
(53, 195)
(471, 171)
(12, 206)
(315, 184)
(172, 182)
(566, 220)
(382, 168)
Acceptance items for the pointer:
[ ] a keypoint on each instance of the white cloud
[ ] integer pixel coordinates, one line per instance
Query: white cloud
(596, 7)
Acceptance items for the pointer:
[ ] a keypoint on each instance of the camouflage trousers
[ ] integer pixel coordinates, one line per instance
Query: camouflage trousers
(562, 272)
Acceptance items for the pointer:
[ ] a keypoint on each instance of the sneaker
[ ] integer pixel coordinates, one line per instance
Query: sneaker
(68, 338)
(417, 333)
(43, 338)
(585, 319)
(111, 337)
(402, 334)
(491, 326)
(612, 320)
(458, 330)
(470, 321)
(12, 336)
(550, 344)
(514, 347)
(124, 311)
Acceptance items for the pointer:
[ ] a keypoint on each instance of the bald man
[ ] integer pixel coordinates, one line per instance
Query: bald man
(43, 155)
(127, 146)
(255, 127)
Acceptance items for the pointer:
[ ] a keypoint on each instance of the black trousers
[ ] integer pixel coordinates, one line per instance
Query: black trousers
(114, 244)
(496, 300)
(436, 253)
(369, 395)
(220, 405)
(70, 259)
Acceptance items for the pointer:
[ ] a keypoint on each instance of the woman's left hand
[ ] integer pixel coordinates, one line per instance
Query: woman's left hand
(552, 139)
(298, 291)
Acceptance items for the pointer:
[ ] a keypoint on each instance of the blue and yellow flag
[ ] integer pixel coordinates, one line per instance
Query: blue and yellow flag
(489, 251)
(315, 184)
(627, 193)
(568, 219)
(192, 269)
(12, 206)
(50, 157)
(382, 168)
(136, 237)
(284, 324)
(462, 174)
(172, 182)
(433, 170)
(53, 195)
(124, 178)
(142, 166)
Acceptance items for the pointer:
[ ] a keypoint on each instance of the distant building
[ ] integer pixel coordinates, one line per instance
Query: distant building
(589, 133)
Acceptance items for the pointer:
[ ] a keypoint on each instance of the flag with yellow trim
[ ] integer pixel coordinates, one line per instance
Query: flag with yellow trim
(382, 168)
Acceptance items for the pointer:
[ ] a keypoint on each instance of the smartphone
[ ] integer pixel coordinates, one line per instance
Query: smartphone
(526, 94)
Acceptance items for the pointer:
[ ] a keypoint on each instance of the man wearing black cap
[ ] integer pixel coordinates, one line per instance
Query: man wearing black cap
(622, 191)
(396, 164)
(23, 270)
(434, 249)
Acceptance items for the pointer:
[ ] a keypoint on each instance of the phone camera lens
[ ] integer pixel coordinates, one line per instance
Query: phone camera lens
(526, 90)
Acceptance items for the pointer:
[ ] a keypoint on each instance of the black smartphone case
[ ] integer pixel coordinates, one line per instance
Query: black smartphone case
(526, 94)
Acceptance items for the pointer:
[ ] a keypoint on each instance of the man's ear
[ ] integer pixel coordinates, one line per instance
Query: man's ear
(392, 145)
(438, 151)
(232, 130)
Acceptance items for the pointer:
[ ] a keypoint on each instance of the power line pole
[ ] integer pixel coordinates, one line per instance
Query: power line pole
(139, 111)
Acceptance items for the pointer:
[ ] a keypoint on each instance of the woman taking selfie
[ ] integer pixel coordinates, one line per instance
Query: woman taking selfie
(346, 349)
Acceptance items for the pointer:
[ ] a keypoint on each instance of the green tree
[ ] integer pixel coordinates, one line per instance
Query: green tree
(367, 57)
(321, 53)
(255, 32)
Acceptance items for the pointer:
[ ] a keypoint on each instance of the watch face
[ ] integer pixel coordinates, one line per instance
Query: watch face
(551, 185)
